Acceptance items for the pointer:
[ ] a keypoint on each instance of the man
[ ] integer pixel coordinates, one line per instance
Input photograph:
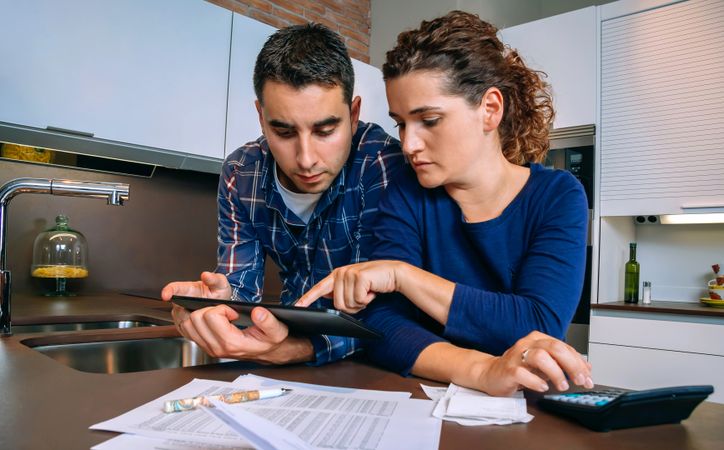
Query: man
(305, 193)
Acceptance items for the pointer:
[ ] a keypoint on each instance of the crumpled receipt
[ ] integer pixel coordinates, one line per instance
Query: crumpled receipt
(473, 408)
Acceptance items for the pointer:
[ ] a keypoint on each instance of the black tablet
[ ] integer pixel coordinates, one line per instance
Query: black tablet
(301, 320)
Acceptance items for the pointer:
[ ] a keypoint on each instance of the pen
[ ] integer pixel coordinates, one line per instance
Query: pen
(186, 404)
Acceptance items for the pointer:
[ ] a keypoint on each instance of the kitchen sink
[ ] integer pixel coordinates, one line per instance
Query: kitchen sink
(133, 355)
(79, 326)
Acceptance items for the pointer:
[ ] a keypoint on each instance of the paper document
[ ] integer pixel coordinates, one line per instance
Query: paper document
(136, 442)
(305, 418)
(471, 408)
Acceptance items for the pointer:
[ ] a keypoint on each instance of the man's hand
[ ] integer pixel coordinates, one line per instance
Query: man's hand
(267, 341)
(212, 285)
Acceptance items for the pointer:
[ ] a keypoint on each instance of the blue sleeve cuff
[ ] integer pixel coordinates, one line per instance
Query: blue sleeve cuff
(466, 328)
(332, 348)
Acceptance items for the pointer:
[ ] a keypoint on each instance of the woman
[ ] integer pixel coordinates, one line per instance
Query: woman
(486, 244)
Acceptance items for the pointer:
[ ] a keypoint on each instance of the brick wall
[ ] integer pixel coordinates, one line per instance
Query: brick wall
(350, 18)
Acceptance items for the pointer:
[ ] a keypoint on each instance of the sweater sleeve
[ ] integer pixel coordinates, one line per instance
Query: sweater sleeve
(404, 337)
(545, 292)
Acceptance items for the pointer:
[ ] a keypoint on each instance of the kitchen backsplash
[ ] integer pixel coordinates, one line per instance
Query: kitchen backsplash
(165, 232)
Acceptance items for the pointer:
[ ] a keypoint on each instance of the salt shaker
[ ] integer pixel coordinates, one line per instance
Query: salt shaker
(646, 296)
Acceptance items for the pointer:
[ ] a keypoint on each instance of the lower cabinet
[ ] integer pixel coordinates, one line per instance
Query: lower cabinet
(645, 353)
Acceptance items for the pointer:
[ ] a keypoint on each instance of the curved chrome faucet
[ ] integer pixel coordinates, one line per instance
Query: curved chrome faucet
(114, 193)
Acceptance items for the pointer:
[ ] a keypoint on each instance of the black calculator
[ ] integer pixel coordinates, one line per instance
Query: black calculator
(611, 409)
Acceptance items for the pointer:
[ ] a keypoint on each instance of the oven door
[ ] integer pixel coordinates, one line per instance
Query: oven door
(572, 149)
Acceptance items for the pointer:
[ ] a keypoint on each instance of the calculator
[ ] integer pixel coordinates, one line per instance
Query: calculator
(611, 409)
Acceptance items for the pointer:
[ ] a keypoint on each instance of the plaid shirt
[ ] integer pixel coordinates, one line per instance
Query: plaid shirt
(255, 221)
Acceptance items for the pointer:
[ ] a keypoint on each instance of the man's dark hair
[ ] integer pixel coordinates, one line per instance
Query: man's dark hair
(301, 55)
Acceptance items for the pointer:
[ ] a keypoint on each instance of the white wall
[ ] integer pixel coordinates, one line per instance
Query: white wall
(390, 17)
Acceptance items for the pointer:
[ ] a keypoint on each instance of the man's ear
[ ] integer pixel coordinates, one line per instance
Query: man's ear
(257, 104)
(492, 109)
(354, 111)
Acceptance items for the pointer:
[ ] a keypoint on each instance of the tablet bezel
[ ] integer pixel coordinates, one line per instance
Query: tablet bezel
(302, 320)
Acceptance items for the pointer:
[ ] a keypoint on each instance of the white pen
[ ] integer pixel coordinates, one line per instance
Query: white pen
(186, 404)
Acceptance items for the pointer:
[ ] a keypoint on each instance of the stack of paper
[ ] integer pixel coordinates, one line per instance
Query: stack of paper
(311, 416)
(468, 407)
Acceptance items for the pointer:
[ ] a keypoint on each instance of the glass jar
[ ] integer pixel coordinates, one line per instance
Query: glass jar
(60, 253)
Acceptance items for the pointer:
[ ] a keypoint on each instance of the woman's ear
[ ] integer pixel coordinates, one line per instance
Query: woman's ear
(492, 105)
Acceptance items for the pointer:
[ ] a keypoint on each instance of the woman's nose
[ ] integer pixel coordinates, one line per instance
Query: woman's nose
(411, 143)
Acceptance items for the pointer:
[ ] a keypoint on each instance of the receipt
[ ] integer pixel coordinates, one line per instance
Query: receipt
(473, 408)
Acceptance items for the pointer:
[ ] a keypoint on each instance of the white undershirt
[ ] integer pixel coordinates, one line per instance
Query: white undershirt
(301, 204)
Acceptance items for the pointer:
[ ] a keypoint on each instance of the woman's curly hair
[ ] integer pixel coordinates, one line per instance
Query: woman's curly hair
(467, 50)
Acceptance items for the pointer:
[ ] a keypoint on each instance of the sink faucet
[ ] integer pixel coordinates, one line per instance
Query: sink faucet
(114, 193)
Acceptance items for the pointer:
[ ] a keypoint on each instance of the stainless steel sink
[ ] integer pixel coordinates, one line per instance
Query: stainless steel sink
(79, 326)
(135, 355)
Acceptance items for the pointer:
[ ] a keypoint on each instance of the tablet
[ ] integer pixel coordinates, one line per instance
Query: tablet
(301, 320)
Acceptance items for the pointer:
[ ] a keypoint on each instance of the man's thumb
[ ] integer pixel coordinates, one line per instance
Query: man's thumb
(269, 324)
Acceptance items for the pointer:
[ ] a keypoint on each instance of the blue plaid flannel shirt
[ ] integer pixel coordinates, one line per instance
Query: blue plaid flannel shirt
(254, 222)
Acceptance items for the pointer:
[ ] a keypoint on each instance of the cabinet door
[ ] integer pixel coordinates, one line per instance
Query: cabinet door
(563, 46)
(675, 334)
(661, 94)
(242, 121)
(643, 368)
(149, 73)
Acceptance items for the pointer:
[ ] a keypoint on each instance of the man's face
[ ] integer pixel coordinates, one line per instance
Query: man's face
(309, 131)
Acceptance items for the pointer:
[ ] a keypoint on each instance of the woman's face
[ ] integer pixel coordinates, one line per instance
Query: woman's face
(443, 136)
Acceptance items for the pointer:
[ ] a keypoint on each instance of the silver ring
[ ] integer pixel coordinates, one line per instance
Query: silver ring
(525, 355)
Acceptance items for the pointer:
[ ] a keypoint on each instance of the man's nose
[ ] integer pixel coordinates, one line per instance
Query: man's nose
(306, 154)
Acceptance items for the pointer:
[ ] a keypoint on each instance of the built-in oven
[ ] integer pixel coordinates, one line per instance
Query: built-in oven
(573, 149)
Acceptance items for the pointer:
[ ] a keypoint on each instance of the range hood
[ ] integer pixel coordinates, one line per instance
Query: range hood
(92, 146)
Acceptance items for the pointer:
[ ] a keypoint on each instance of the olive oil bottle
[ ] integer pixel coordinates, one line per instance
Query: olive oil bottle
(631, 279)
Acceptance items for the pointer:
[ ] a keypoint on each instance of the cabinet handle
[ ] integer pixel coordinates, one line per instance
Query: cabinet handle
(713, 205)
(68, 131)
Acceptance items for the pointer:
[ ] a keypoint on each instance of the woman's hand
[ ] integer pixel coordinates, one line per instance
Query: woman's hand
(530, 363)
(353, 287)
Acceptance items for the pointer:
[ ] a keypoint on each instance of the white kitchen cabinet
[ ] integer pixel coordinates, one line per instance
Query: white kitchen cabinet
(242, 121)
(642, 351)
(564, 47)
(661, 94)
(242, 126)
(644, 368)
(153, 73)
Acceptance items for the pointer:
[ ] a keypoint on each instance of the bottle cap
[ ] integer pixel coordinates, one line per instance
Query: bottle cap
(647, 283)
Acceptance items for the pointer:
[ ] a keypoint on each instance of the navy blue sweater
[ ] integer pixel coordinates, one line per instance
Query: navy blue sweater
(519, 272)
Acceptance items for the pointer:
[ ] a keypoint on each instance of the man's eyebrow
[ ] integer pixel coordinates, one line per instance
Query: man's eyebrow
(331, 120)
(279, 124)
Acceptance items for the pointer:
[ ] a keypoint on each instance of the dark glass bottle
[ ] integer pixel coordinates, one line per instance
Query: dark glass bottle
(631, 279)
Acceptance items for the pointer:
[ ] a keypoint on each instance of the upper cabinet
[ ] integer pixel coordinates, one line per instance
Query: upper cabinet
(564, 47)
(242, 126)
(152, 73)
(662, 125)
(242, 121)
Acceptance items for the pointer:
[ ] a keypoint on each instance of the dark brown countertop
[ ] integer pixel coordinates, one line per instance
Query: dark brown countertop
(685, 308)
(48, 405)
